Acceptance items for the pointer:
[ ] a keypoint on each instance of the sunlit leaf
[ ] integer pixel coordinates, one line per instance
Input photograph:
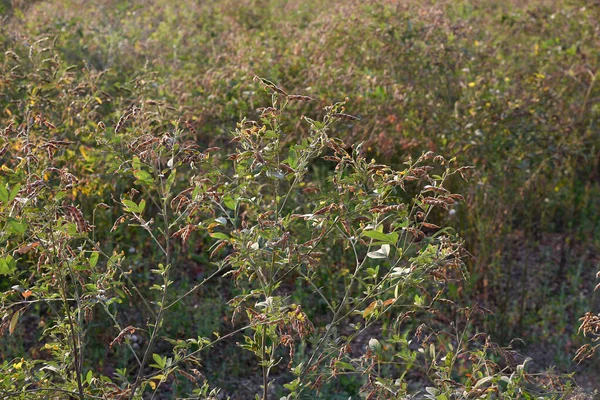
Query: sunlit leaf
(16, 227)
(14, 192)
(143, 177)
(369, 310)
(389, 238)
(219, 235)
(94, 259)
(229, 202)
(7, 265)
(160, 361)
(3, 194)
(383, 252)
(130, 206)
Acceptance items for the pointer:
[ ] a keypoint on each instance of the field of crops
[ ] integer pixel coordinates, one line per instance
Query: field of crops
(299, 199)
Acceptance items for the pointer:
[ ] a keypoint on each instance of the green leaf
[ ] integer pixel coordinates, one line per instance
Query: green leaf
(293, 385)
(3, 194)
(345, 365)
(136, 164)
(271, 134)
(130, 206)
(292, 159)
(14, 192)
(389, 238)
(170, 180)
(7, 265)
(59, 196)
(72, 228)
(88, 377)
(159, 360)
(16, 227)
(94, 259)
(91, 287)
(229, 202)
(142, 205)
(419, 301)
(143, 177)
(219, 235)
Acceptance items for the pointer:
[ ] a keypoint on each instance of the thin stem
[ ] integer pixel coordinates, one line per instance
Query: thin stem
(335, 318)
(167, 253)
(67, 310)
(126, 275)
(217, 272)
(79, 344)
(295, 267)
(211, 344)
(76, 354)
(265, 371)
(118, 326)
(318, 290)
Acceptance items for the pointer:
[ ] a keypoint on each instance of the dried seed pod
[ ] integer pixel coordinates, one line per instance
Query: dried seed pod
(125, 332)
(311, 189)
(190, 377)
(456, 196)
(190, 127)
(185, 233)
(300, 98)
(435, 189)
(270, 85)
(287, 168)
(75, 215)
(219, 247)
(346, 117)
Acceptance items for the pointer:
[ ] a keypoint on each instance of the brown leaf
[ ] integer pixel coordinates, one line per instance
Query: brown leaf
(27, 247)
(13, 322)
(369, 310)
(388, 302)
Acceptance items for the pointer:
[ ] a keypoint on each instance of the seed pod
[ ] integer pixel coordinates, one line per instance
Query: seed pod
(346, 117)
(300, 98)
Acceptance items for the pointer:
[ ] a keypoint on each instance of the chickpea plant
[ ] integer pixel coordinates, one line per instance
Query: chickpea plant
(270, 225)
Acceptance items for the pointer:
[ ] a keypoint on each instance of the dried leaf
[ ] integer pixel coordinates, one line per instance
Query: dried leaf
(369, 310)
(13, 322)
(26, 248)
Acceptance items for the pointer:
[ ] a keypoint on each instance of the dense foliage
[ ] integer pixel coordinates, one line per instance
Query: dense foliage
(190, 204)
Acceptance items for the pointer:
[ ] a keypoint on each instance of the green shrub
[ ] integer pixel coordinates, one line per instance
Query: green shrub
(102, 107)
